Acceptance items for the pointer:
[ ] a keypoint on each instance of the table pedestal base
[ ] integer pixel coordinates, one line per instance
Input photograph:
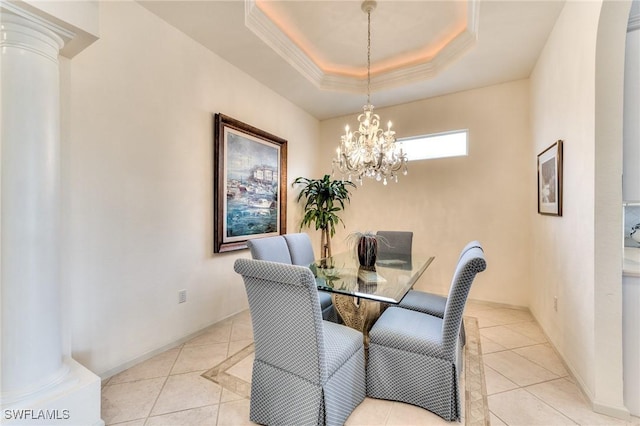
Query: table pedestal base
(358, 313)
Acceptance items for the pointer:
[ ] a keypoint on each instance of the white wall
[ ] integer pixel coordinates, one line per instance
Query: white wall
(449, 202)
(576, 96)
(631, 176)
(137, 179)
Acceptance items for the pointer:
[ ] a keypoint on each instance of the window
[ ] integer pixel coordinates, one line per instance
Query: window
(439, 145)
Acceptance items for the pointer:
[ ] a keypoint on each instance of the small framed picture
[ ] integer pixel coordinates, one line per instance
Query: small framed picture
(250, 188)
(550, 180)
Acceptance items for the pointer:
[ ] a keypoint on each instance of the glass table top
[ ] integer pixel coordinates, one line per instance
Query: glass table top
(389, 281)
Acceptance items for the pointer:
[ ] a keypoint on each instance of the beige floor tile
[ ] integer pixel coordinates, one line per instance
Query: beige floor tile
(495, 420)
(503, 316)
(530, 329)
(129, 401)
(238, 346)
(545, 356)
(565, 397)
(489, 346)
(370, 412)
(241, 331)
(243, 369)
(235, 413)
(203, 416)
(158, 366)
(514, 349)
(487, 322)
(496, 382)
(218, 333)
(406, 414)
(517, 368)
(243, 317)
(140, 422)
(200, 357)
(228, 396)
(506, 337)
(520, 408)
(185, 391)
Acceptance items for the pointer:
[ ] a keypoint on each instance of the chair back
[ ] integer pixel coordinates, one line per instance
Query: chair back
(286, 317)
(300, 249)
(393, 243)
(471, 262)
(469, 245)
(272, 249)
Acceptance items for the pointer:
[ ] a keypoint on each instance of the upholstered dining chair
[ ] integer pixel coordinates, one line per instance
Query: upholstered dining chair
(433, 304)
(301, 252)
(393, 243)
(279, 249)
(306, 370)
(273, 249)
(417, 358)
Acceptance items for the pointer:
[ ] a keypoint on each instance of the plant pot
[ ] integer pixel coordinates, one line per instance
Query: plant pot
(367, 250)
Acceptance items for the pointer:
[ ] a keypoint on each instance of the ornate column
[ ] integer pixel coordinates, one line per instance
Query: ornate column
(36, 382)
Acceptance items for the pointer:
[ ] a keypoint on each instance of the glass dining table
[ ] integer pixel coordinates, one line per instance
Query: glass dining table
(360, 294)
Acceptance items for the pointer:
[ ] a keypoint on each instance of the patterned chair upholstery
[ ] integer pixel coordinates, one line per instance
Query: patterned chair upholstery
(417, 358)
(306, 370)
(433, 304)
(301, 253)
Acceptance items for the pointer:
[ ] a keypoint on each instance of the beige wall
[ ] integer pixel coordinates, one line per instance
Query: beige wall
(576, 96)
(137, 179)
(486, 195)
(137, 191)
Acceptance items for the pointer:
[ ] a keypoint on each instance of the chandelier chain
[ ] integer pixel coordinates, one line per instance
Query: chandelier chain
(369, 56)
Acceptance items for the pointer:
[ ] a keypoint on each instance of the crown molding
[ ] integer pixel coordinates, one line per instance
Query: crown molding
(276, 39)
(269, 33)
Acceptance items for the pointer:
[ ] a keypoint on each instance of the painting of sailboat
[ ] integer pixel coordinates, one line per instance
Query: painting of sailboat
(252, 189)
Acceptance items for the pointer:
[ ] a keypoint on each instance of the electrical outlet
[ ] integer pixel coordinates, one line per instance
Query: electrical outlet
(555, 303)
(182, 296)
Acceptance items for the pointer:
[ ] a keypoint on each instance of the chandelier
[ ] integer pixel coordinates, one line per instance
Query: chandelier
(369, 151)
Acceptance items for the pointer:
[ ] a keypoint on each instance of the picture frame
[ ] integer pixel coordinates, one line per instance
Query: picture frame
(250, 184)
(550, 180)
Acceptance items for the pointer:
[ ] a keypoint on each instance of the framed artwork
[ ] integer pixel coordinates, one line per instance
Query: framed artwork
(250, 184)
(550, 180)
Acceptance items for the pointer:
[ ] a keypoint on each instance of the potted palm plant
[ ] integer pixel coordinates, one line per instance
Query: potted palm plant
(324, 198)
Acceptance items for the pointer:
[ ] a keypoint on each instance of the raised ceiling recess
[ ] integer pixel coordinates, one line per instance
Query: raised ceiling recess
(332, 54)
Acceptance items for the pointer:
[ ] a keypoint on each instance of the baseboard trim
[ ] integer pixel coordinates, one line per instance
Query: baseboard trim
(498, 304)
(618, 412)
(106, 375)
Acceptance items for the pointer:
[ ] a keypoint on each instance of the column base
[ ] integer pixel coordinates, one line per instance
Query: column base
(74, 401)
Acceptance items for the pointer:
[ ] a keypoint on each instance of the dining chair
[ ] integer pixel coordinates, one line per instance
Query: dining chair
(306, 370)
(301, 252)
(392, 243)
(415, 357)
(279, 249)
(273, 249)
(434, 304)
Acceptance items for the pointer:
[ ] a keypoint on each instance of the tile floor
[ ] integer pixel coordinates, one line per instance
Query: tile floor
(526, 382)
